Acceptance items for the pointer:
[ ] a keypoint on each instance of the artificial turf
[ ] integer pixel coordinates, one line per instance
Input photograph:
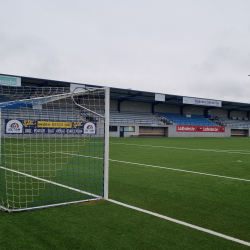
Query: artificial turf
(211, 202)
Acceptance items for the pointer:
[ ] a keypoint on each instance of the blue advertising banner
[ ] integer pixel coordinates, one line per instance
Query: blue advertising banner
(48, 127)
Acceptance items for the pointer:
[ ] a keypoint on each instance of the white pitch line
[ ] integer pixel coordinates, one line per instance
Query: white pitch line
(181, 170)
(167, 168)
(51, 182)
(153, 166)
(142, 210)
(243, 152)
(182, 223)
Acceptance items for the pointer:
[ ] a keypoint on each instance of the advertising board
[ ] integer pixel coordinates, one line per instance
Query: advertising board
(185, 128)
(48, 127)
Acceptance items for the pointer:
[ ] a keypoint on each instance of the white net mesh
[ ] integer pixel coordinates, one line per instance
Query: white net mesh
(52, 146)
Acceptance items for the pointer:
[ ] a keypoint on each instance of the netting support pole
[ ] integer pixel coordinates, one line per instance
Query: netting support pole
(106, 143)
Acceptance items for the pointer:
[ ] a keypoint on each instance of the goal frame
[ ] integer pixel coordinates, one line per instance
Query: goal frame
(105, 158)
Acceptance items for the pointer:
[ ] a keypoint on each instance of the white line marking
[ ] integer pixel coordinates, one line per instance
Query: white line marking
(183, 223)
(141, 210)
(181, 170)
(244, 152)
(167, 168)
(40, 207)
(51, 182)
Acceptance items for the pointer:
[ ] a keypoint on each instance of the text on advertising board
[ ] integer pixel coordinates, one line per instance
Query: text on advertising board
(184, 128)
(48, 127)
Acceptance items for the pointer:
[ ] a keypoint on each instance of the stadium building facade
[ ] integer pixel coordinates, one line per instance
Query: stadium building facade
(135, 113)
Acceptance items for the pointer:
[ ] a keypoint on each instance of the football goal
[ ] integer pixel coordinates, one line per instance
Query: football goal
(54, 146)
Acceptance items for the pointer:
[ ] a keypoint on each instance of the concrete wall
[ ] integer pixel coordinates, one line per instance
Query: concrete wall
(162, 107)
(219, 112)
(113, 104)
(136, 106)
(238, 113)
(170, 131)
(193, 110)
(173, 133)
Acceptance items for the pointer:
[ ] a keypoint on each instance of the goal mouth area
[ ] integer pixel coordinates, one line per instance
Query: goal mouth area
(70, 177)
(52, 150)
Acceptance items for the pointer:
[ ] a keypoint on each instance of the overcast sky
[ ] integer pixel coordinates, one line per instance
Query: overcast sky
(197, 48)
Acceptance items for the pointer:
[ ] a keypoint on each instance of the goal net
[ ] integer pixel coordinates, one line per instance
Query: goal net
(54, 146)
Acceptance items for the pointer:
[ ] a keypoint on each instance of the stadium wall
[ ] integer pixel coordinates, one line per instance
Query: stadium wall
(136, 106)
(169, 131)
(193, 110)
(113, 104)
(173, 133)
(238, 113)
(219, 112)
(162, 107)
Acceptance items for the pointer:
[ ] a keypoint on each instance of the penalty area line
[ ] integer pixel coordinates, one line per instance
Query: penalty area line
(182, 223)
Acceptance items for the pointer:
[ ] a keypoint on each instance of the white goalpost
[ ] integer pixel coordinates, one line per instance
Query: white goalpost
(54, 146)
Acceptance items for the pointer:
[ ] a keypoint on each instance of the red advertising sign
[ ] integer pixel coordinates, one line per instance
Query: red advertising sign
(184, 128)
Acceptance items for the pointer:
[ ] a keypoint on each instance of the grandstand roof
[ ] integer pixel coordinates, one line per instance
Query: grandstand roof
(129, 94)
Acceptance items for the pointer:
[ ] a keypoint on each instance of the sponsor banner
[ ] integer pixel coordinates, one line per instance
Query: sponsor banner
(184, 128)
(10, 81)
(89, 128)
(45, 124)
(48, 127)
(199, 101)
(14, 127)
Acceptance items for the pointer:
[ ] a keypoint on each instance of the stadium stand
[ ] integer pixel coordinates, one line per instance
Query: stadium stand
(40, 114)
(133, 117)
(197, 120)
(236, 122)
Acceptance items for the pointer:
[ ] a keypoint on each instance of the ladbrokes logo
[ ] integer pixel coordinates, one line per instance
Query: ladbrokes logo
(14, 127)
(209, 129)
(89, 128)
(183, 128)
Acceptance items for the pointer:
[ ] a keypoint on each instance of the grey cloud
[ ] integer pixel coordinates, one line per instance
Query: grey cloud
(196, 48)
(27, 55)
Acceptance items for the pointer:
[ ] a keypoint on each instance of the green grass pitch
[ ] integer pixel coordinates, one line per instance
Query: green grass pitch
(36, 172)
(202, 181)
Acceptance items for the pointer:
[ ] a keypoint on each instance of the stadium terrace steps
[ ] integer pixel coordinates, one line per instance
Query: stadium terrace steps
(37, 114)
(196, 120)
(54, 113)
(235, 123)
(133, 117)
